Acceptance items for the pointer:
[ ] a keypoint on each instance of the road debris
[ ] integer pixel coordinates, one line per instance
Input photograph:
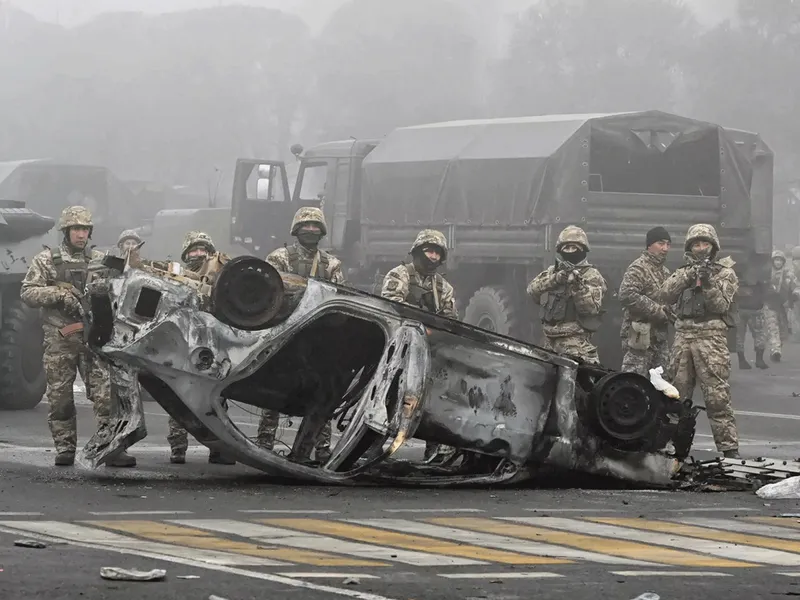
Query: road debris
(26, 543)
(351, 581)
(213, 597)
(187, 577)
(788, 489)
(648, 596)
(120, 574)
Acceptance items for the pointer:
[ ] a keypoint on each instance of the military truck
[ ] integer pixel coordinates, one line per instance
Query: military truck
(22, 377)
(503, 189)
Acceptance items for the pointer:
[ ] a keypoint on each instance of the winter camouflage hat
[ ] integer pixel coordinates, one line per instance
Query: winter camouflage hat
(75, 216)
(308, 214)
(128, 234)
(194, 239)
(778, 254)
(572, 235)
(431, 237)
(702, 232)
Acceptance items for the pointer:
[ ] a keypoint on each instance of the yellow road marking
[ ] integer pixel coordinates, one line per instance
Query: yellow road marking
(431, 545)
(601, 545)
(197, 538)
(704, 533)
(780, 521)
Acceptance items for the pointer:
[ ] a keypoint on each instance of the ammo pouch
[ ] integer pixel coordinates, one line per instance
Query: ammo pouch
(639, 336)
(692, 304)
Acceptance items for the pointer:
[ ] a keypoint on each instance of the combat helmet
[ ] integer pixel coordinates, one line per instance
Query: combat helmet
(702, 232)
(308, 214)
(779, 254)
(75, 216)
(194, 239)
(128, 234)
(572, 234)
(431, 237)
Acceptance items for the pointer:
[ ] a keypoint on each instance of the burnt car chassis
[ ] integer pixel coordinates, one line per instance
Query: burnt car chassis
(384, 372)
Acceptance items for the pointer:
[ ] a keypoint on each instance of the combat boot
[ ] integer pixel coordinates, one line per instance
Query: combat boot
(776, 356)
(743, 364)
(177, 456)
(731, 453)
(267, 442)
(760, 360)
(65, 459)
(218, 458)
(322, 455)
(123, 459)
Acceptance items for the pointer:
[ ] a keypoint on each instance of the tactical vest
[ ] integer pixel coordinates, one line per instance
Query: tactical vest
(559, 307)
(692, 305)
(751, 297)
(302, 265)
(73, 273)
(422, 297)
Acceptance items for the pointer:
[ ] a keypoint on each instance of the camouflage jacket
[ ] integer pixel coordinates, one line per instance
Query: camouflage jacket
(586, 291)
(783, 287)
(719, 295)
(639, 287)
(398, 284)
(39, 289)
(280, 259)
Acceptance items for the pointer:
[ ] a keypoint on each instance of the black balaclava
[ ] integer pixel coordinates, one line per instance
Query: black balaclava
(194, 263)
(422, 263)
(309, 239)
(574, 257)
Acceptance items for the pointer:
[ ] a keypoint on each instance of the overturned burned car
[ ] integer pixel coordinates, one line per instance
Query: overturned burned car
(383, 372)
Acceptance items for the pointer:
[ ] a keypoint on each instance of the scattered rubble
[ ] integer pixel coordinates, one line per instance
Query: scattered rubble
(26, 543)
(120, 574)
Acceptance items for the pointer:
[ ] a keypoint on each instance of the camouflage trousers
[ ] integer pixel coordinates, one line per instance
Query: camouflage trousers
(579, 345)
(268, 426)
(641, 361)
(64, 358)
(754, 320)
(771, 321)
(178, 437)
(706, 359)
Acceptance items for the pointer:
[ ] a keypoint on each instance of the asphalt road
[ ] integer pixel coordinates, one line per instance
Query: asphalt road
(246, 535)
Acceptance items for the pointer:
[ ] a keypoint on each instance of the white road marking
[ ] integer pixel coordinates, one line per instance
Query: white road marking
(298, 583)
(744, 527)
(580, 510)
(489, 540)
(671, 574)
(433, 510)
(311, 541)
(121, 513)
(21, 514)
(106, 540)
(290, 512)
(767, 415)
(318, 575)
(792, 574)
(710, 509)
(506, 575)
(740, 552)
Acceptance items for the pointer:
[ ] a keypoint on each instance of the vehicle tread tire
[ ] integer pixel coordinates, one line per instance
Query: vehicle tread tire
(17, 392)
(495, 302)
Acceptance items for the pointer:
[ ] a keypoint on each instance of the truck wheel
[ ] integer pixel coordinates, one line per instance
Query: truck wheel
(22, 376)
(492, 308)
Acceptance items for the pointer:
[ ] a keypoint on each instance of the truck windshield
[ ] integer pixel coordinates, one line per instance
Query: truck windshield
(313, 178)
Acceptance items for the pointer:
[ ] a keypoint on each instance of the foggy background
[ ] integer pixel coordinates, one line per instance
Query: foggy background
(177, 91)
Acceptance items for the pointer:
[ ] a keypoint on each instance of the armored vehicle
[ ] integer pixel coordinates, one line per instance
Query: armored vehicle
(22, 377)
(502, 190)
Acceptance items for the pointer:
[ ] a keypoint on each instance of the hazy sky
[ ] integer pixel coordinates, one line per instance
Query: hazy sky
(314, 12)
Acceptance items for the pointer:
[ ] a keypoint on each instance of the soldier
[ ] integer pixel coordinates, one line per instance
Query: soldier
(419, 284)
(128, 240)
(645, 321)
(783, 289)
(704, 290)
(306, 259)
(197, 247)
(796, 311)
(753, 284)
(53, 283)
(571, 296)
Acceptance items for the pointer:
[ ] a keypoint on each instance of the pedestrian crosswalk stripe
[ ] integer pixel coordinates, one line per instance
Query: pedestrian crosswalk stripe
(287, 537)
(778, 521)
(707, 534)
(602, 545)
(107, 539)
(488, 540)
(744, 527)
(732, 551)
(197, 538)
(430, 545)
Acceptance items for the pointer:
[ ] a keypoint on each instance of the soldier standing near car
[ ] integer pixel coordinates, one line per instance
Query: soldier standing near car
(54, 283)
(645, 321)
(303, 258)
(783, 292)
(704, 289)
(796, 308)
(128, 240)
(571, 296)
(753, 284)
(419, 284)
(197, 248)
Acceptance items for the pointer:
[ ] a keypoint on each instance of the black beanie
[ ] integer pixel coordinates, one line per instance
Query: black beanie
(656, 234)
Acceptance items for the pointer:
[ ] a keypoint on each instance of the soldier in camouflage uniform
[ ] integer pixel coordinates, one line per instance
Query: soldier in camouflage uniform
(197, 247)
(571, 296)
(306, 259)
(704, 290)
(53, 283)
(783, 290)
(645, 321)
(796, 308)
(420, 285)
(753, 285)
(128, 240)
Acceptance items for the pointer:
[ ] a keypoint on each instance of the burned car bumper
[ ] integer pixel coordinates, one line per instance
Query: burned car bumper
(384, 372)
